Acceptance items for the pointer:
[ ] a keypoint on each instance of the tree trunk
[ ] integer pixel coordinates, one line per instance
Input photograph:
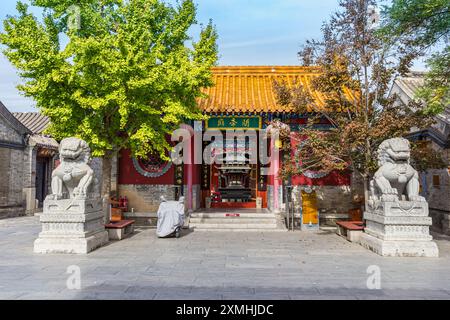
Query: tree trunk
(106, 184)
(366, 190)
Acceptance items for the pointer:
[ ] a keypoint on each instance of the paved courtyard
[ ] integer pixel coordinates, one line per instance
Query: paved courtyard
(216, 265)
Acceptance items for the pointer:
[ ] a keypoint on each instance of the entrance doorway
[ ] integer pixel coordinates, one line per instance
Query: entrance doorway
(234, 185)
(234, 180)
(42, 168)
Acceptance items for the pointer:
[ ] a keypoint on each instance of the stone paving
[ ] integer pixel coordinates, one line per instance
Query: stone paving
(216, 265)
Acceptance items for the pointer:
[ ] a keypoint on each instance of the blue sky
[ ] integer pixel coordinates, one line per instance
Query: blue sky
(251, 32)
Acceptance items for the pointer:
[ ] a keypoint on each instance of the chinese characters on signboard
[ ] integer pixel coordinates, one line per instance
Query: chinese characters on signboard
(235, 122)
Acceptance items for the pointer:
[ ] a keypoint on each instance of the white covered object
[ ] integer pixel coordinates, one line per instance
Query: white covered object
(170, 217)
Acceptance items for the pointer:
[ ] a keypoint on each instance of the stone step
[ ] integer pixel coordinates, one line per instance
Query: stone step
(233, 225)
(241, 215)
(236, 220)
(233, 220)
(328, 228)
(239, 230)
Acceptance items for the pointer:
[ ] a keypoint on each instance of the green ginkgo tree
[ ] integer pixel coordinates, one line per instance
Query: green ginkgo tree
(116, 73)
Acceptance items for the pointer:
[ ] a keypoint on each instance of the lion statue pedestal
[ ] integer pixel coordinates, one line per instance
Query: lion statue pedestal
(397, 222)
(72, 222)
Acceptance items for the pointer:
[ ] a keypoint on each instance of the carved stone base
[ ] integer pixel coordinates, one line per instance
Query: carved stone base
(71, 226)
(71, 245)
(399, 229)
(390, 248)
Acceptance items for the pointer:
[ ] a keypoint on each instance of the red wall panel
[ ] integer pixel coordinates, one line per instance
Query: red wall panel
(334, 178)
(129, 175)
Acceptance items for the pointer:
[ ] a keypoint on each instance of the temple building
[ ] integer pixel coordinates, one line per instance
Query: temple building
(42, 154)
(241, 99)
(435, 183)
(27, 158)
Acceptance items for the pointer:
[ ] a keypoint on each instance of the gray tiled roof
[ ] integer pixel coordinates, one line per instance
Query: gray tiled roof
(34, 121)
(410, 83)
(37, 123)
(8, 116)
(44, 141)
(413, 81)
(445, 116)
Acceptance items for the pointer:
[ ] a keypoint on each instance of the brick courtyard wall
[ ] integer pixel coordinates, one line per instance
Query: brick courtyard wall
(333, 201)
(435, 185)
(12, 202)
(146, 197)
(29, 179)
(438, 196)
(144, 193)
(7, 134)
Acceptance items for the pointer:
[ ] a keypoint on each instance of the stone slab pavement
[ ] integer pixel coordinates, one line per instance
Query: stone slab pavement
(216, 265)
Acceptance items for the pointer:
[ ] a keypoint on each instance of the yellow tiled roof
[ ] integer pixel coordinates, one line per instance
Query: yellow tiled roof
(250, 88)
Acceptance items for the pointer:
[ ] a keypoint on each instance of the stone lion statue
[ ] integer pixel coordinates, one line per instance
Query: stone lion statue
(73, 175)
(395, 179)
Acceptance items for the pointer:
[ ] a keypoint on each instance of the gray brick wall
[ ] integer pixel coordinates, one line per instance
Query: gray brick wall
(438, 196)
(146, 198)
(11, 187)
(12, 202)
(12, 197)
(331, 199)
(8, 134)
(5, 159)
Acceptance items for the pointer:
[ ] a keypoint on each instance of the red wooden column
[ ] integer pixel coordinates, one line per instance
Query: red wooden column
(275, 167)
(189, 167)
